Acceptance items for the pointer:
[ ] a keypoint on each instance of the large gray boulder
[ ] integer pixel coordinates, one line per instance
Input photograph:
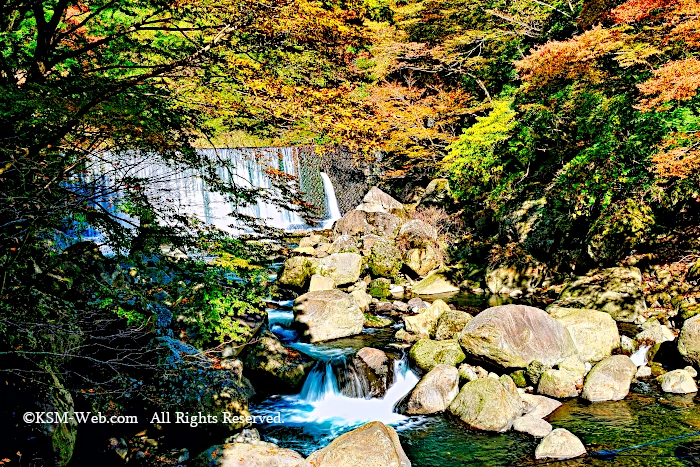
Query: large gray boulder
(560, 444)
(487, 404)
(427, 354)
(512, 336)
(610, 379)
(689, 341)
(253, 454)
(594, 333)
(384, 259)
(378, 201)
(343, 268)
(371, 445)
(327, 314)
(616, 291)
(435, 392)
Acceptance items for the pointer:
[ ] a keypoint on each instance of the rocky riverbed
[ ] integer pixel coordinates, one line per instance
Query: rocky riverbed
(588, 369)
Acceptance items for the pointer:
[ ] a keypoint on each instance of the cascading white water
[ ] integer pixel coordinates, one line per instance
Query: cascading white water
(185, 192)
(639, 358)
(332, 207)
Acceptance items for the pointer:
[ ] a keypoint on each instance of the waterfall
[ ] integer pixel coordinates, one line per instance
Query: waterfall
(332, 207)
(183, 191)
(639, 358)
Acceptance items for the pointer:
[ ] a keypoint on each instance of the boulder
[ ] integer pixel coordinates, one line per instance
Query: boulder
(594, 333)
(560, 444)
(304, 250)
(434, 392)
(270, 364)
(362, 298)
(533, 426)
(418, 234)
(486, 404)
(296, 271)
(377, 368)
(385, 224)
(343, 268)
(425, 323)
(561, 384)
(427, 354)
(353, 223)
(344, 244)
(616, 291)
(368, 242)
(507, 278)
(327, 314)
(253, 454)
(653, 331)
(678, 382)
(437, 194)
(512, 336)
(378, 201)
(319, 282)
(451, 323)
(539, 406)
(384, 259)
(373, 444)
(689, 341)
(435, 283)
(470, 373)
(610, 379)
(423, 260)
(416, 304)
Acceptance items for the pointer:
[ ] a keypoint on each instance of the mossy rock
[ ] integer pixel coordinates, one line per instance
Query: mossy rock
(519, 378)
(427, 354)
(372, 321)
(384, 259)
(379, 288)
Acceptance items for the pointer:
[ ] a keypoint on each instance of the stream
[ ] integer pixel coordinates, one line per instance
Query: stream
(321, 412)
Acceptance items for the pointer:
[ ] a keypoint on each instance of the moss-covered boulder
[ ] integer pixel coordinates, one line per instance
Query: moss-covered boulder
(297, 271)
(594, 333)
(487, 404)
(384, 259)
(343, 268)
(451, 323)
(379, 288)
(426, 354)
